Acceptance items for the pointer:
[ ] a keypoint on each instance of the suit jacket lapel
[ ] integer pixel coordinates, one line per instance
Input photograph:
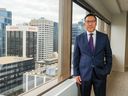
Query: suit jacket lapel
(97, 43)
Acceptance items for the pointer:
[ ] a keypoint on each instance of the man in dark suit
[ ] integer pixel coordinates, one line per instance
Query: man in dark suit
(92, 58)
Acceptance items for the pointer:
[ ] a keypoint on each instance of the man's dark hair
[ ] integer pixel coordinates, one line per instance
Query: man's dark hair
(90, 15)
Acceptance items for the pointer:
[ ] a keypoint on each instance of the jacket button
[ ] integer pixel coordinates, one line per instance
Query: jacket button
(92, 65)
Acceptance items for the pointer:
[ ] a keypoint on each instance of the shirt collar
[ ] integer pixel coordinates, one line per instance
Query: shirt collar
(94, 32)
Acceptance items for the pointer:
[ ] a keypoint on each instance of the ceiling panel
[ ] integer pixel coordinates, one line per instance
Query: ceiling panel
(123, 5)
(114, 6)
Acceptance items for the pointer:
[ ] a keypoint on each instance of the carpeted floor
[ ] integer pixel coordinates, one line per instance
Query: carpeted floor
(117, 84)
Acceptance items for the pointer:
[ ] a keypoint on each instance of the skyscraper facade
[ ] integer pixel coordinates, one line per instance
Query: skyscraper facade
(74, 32)
(11, 73)
(5, 19)
(21, 41)
(55, 37)
(44, 37)
(77, 28)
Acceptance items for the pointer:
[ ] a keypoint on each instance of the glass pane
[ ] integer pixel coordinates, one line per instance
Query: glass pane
(77, 24)
(78, 20)
(31, 44)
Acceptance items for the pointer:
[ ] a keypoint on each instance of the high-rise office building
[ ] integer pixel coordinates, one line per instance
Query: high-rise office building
(21, 41)
(77, 28)
(44, 37)
(81, 26)
(5, 19)
(74, 32)
(55, 37)
(11, 73)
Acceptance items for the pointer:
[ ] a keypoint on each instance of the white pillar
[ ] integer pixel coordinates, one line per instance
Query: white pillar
(26, 82)
(24, 42)
(44, 79)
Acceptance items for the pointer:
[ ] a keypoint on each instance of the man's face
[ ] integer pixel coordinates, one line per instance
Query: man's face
(90, 23)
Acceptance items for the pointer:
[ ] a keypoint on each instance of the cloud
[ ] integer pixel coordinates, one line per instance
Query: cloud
(78, 13)
(24, 10)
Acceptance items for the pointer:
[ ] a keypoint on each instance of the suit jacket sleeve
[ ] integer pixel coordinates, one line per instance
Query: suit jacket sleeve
(76, 58)
(108, 57)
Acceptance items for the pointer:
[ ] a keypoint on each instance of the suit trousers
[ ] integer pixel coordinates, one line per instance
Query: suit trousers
(99, 86)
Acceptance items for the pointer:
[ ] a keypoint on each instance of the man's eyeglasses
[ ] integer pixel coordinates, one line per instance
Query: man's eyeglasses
(92, 21)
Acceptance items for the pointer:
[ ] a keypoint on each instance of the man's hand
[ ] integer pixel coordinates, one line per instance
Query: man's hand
(78, 79)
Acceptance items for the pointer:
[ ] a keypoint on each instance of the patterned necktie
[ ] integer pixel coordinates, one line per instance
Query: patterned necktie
(90, 43)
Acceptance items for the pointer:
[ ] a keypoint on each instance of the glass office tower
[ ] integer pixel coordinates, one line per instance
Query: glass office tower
(21, 41)
(5, 19)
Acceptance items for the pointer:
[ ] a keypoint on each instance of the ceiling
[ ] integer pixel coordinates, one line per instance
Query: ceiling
(115, 6)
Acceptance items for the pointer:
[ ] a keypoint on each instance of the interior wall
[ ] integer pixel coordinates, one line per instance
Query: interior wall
(118, 41)
(126, 53)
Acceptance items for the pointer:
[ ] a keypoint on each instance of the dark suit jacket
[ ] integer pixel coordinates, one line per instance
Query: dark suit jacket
(84, 61)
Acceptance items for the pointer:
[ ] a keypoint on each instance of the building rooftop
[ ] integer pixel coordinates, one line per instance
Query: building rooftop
(12, 59)
(21, 27)
(2, 9)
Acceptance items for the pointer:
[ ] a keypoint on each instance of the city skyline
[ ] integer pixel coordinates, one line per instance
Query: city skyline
(25, 11)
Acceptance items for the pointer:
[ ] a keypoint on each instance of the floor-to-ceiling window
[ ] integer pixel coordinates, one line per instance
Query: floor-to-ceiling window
(79, 12)
(33, 34)
(50, 21)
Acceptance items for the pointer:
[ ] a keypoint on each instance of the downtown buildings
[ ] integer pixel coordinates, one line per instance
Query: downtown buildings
(20, 55)
(37, 40)
(5, 19)
(21, 41)
(77, 28)
(45, 37)
(41, 75)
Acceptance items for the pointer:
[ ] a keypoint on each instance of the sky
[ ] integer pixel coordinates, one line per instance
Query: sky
(25, 10)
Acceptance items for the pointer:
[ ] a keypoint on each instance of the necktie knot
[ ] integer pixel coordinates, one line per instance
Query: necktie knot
(91, 34)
